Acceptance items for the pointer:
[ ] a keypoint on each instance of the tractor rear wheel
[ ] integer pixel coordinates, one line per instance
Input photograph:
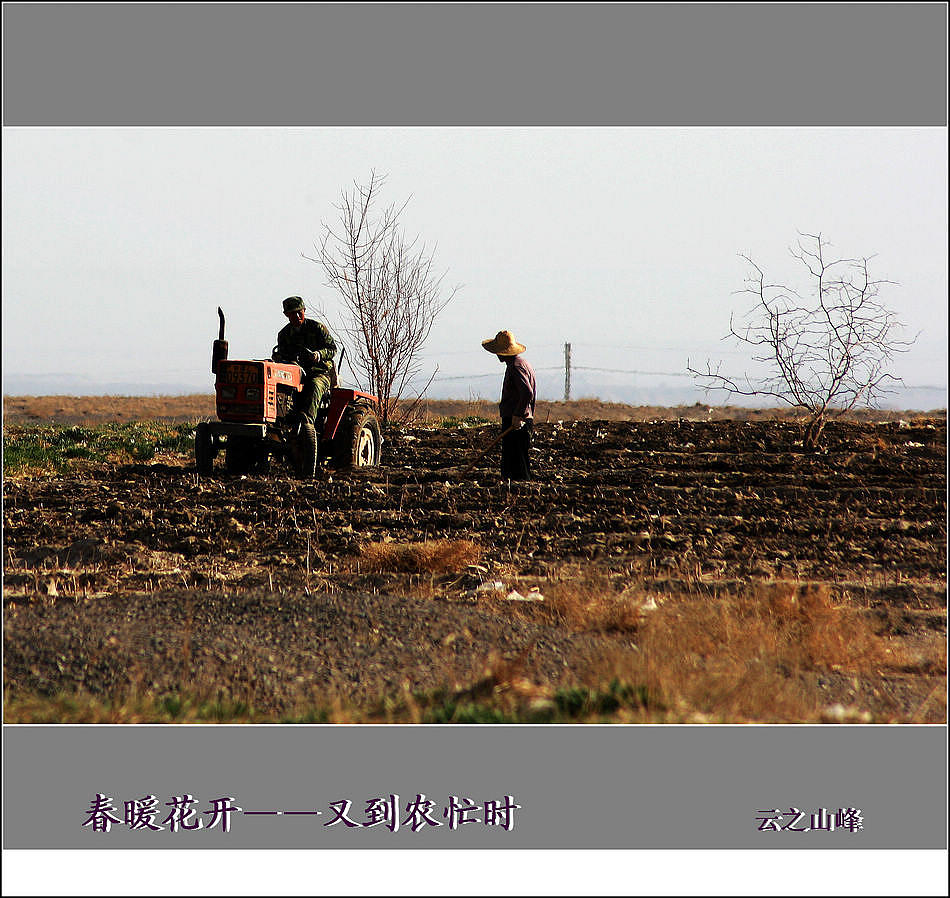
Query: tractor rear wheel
(204, 449)
(358, 439)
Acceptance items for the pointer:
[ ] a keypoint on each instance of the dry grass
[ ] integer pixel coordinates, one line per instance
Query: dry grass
(797, 626)
(437, 556)
(591, 604)
(752, 657)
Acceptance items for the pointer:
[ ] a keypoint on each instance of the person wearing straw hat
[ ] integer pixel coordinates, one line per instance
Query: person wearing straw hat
(518, 394)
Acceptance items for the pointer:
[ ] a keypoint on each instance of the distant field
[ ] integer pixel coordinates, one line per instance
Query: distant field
(180, 409)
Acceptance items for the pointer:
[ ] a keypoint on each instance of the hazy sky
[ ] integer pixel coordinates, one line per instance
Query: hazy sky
(119, 244)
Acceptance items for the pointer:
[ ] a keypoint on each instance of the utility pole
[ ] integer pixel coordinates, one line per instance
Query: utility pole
(567, 372)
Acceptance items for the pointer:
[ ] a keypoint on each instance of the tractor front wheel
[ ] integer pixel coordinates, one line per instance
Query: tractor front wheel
(204, 449)
(358, 439)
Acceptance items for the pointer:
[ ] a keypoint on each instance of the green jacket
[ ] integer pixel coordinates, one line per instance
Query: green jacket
(310, 335)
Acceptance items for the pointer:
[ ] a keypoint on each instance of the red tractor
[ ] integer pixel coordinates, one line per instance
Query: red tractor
(253, 400)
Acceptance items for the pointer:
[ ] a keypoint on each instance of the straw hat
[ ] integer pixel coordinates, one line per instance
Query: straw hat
(504, 343)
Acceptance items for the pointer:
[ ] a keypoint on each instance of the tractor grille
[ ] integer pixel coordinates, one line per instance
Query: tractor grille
(240, 391)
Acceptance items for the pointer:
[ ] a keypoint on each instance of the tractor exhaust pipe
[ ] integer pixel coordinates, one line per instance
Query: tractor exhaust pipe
(219, 349)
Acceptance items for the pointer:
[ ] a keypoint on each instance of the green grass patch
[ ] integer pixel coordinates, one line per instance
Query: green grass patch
(59, 448)
(314, 715)
(468, 712)
(183, 707)
(581, 704)
(455, 421)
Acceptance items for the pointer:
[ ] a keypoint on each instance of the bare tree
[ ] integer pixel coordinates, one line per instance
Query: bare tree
(390, 293)
(825, 352)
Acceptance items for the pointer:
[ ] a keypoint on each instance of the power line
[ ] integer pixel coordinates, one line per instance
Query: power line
(628, 371)
(569, 366)
(494, 374)
(573, 368)
(717, 350)
(647, 373)
(465, 377)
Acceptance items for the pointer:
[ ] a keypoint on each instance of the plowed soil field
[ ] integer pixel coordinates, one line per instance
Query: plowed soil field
(150, 579)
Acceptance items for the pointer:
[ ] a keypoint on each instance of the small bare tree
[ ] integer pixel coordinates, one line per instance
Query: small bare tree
(826, 352)
(390, 293)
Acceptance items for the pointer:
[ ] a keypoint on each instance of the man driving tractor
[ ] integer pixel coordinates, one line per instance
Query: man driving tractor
(308, 343)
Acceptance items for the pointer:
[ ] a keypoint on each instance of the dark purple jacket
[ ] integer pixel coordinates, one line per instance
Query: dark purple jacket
(518, 392)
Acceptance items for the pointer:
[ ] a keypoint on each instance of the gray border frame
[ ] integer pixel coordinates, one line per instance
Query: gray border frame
(471, 65)
(475, 64)
(586, 787)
